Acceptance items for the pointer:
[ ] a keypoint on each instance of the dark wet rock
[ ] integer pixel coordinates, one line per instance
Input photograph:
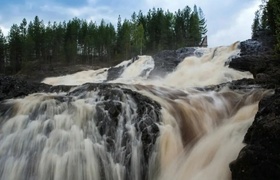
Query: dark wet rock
(115, 72)
(116, 107)
(251, 47)
(257, 56)
(13, 87)
(252, 63)
(265, 68)
(260, 158)
(167, 60)
(184, 52)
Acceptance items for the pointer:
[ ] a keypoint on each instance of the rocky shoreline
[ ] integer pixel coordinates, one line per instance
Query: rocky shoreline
(260, 158)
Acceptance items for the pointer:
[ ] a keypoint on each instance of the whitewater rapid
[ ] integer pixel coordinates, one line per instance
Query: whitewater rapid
(193, 71)
(132, 127)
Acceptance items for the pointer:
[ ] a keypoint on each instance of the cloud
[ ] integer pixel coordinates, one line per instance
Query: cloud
(227, 21)
(238, 30)
(5, 30)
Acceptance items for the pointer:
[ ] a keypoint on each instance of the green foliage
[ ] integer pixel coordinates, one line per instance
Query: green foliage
(15, 49)
(2, 52)
(80, 41)
(267, 19)
(256, 26)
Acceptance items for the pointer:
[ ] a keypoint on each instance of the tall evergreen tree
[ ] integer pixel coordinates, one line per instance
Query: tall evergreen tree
(37, 36)
(15, 49)
(59, 39)
(138, 39)
(202, 22)
(194, 33)
(82, 43)
(71, 40)
(2, 52)
(269, 20)
(256, 24)
(91, 41)
(126, 38)
(49, 43)
(79, 41)
(23, 34)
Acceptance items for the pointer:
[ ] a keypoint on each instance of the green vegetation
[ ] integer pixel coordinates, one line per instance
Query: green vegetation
(80, 42)
(267, 19)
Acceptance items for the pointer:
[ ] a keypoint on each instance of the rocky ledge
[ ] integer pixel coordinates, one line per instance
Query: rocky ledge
(260, 158)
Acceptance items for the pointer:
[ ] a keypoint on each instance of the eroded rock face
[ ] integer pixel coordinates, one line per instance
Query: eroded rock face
(260, 158)
(12, 87)
(119, 107)
(167, 60)
(125, 119)
(115, 72)
(257, 56)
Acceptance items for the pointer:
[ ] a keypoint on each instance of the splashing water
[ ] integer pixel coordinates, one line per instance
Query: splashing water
(132, 127)
(193, 71)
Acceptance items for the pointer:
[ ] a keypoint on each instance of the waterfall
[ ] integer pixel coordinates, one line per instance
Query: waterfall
(178, 126)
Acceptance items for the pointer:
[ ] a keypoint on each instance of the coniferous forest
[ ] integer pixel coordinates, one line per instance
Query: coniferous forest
(81, 42)
(267, 20)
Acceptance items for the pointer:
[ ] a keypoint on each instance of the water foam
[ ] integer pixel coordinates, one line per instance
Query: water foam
(61, 136)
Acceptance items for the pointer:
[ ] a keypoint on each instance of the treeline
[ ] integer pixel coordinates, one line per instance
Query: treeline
(267, 19)
(79, 41)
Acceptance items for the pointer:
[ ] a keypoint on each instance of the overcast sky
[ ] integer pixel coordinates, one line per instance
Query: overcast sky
(228, 21)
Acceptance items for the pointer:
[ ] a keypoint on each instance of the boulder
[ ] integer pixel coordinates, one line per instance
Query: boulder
(167, 60)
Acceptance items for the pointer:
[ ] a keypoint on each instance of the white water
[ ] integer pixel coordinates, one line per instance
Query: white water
(56, 136)
(191, 72)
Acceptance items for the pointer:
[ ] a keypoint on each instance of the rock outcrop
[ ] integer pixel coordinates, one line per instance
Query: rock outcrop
(118, 112)
(167, 60)
(257, 56)
(260, 158)
(12, 87)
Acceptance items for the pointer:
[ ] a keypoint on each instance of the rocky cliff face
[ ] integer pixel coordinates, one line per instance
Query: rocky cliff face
(257, 56)
(260, 158)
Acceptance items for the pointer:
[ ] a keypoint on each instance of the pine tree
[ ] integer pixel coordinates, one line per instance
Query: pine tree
(194, 34)
(37, 36)
(91, 41)
(23, 33)
(202, 23)
(82, 43)
(15, 49)
(2, 52)
(49, 39)
(269, 20)
(256, 24)
(71, 40)
(138, 38)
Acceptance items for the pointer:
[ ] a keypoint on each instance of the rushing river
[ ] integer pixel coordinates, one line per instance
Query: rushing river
(133, 127)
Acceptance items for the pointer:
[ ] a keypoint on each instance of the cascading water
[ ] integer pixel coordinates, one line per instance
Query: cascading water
(131, 127)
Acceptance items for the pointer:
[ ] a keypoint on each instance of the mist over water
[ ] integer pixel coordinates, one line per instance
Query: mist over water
(133, 127)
